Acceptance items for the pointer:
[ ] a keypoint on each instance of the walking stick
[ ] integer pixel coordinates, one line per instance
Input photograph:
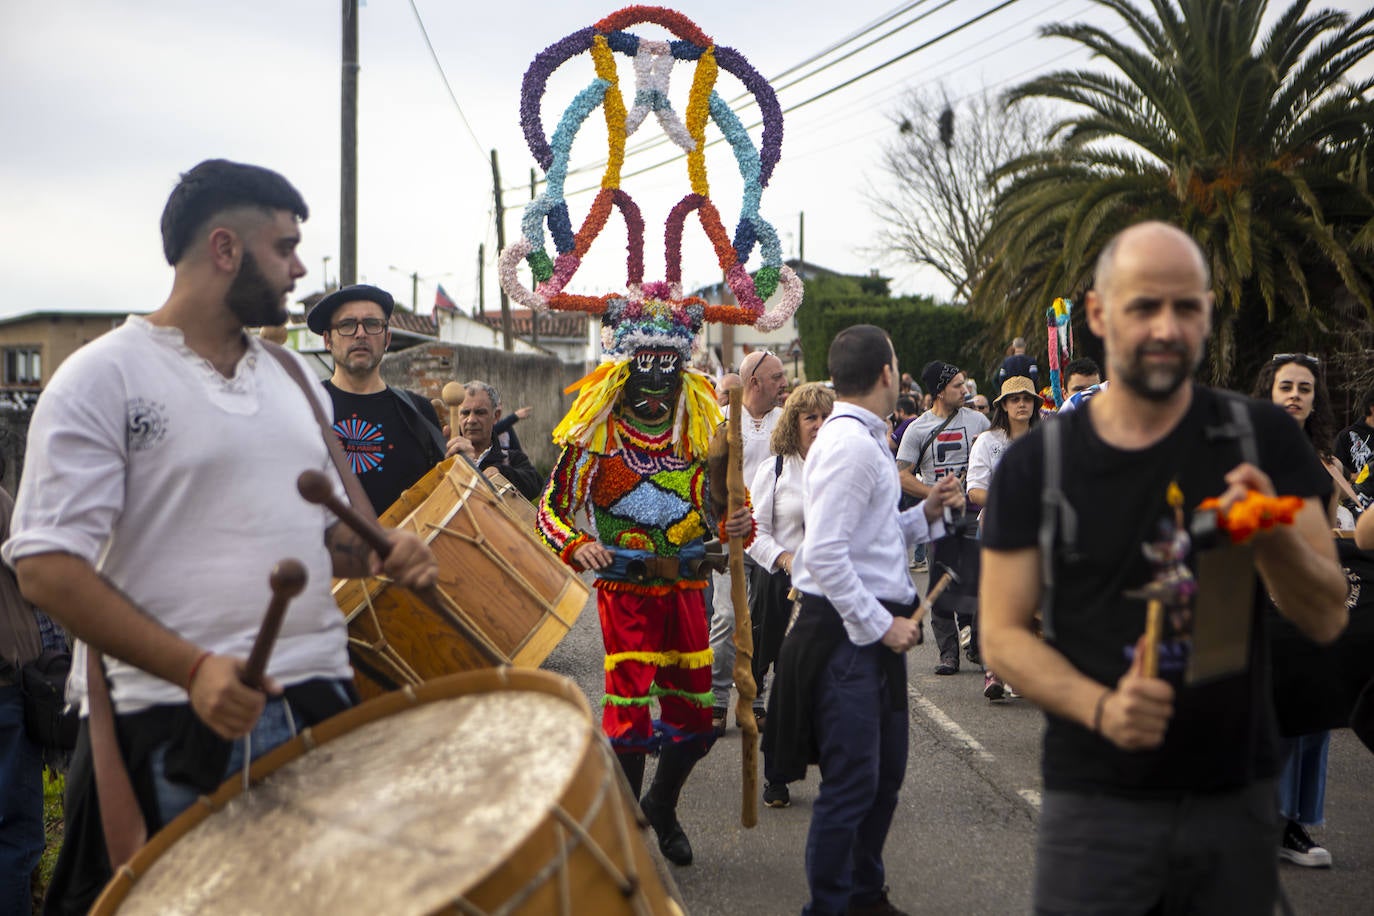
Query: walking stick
(744, 636)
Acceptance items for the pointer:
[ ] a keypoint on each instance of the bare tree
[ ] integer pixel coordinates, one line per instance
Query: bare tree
(935, 194)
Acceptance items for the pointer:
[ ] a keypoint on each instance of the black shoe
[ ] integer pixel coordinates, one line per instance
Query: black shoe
(949, 664)
(775, 795)
(1297, 847)
(880, 907)
(760, 717)
(718, 717)
(672, 839)
(971, 653)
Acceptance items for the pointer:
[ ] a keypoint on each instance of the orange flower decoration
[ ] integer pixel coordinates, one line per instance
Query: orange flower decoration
(1256, 512)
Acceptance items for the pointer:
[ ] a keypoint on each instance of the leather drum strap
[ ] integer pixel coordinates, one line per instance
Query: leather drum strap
(120, 816)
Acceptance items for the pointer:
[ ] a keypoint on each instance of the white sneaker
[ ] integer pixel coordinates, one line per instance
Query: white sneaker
(965, 637)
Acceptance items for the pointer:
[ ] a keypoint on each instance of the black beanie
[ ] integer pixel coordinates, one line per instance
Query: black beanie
(937, 375)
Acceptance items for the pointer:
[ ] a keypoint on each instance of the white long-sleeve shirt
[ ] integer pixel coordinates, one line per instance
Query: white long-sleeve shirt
(855, 550)
(777, 510)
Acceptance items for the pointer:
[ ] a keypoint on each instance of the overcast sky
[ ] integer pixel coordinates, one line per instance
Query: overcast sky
(105, 103)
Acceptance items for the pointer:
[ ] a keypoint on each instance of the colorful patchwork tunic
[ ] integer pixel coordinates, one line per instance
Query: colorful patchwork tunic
(646, 500)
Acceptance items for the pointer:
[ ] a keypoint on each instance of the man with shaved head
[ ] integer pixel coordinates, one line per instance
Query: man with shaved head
(1160, 790)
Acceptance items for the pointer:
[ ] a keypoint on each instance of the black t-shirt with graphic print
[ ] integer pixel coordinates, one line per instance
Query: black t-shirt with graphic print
(1222, 734)
(387, 457)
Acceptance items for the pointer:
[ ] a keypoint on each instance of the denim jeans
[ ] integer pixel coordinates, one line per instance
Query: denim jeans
(21, 804)
(863, 752)
(273, 729)
(1302, 787)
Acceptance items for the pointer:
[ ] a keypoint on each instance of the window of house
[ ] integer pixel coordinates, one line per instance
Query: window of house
(23, 366)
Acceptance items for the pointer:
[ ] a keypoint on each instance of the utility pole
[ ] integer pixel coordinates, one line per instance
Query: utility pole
(348, 153)
(801, 244)
(501, 246)
(482, 280)
(534, 313)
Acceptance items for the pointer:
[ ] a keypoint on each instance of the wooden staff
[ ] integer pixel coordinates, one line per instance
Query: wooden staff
(316, 488)
(744, 636)
(453, 395)
(287, 579)
(1154, 625)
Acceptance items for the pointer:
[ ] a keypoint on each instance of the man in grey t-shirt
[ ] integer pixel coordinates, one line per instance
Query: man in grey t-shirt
(936, 445)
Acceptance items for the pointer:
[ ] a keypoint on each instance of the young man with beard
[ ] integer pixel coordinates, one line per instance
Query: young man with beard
(638, 460)
(936, 445)
(1159, 792)
(391, 436)
(158, 493)
(473, 440)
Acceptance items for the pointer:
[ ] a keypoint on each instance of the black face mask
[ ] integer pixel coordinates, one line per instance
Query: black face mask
(654, 383)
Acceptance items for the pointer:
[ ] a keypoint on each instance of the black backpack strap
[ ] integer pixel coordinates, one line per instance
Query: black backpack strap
(1238, 427)
(1058, 534)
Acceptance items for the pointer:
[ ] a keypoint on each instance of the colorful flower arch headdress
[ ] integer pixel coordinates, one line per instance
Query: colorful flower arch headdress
(653, 313)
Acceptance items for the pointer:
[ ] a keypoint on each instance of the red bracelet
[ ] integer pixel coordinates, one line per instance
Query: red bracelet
(200, 659)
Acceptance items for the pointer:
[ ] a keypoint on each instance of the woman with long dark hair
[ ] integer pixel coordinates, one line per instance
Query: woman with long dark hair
(1294, 382)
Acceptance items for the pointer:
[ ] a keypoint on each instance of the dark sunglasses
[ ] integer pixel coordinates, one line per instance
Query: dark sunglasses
(1304, 358)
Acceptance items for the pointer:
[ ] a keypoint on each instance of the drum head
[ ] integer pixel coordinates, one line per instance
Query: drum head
(404, 813)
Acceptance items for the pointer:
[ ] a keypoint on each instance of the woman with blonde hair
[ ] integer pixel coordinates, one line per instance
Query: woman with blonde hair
(776, 492)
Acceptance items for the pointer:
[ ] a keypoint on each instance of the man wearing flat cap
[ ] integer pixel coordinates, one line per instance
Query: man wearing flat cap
(392, 436)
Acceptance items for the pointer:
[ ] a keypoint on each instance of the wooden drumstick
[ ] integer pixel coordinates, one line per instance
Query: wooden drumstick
(453, 395)
(287, 580)
(316, 488)
(440, 408)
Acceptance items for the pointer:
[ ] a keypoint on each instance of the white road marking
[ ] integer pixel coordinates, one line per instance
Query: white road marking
(937, 715)
(949, 725)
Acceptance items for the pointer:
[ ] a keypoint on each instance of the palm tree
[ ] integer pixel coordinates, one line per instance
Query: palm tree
(1257, 145)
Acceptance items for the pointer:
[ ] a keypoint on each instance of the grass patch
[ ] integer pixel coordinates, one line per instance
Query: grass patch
(54, 784)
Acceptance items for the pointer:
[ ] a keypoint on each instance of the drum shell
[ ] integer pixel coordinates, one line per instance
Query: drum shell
(595, 793)
(494, 572)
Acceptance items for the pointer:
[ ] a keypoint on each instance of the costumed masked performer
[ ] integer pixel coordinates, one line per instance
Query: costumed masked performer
(635, 442)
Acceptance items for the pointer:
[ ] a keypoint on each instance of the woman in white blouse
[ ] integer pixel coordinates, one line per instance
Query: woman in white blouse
(1015, 411)
(776, 493)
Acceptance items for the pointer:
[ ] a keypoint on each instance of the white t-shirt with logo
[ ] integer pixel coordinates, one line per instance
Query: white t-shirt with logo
(179, 486)
(948, 453)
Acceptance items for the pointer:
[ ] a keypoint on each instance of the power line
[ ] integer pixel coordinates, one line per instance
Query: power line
(444, 76)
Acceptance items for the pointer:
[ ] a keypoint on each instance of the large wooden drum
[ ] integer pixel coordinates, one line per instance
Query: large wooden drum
(494, 573)
(486, 792)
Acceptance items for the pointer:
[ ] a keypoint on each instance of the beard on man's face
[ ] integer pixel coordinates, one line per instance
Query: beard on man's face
(1158, 382)
(251, 297)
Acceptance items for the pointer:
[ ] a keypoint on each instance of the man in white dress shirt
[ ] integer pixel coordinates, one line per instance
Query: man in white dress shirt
(842, 673)
(765, 390)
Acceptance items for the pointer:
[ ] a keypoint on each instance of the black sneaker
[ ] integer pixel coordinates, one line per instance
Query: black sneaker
(775, 795)
(971, 653)
(949, 664)
(1297, 847)
(718, 716)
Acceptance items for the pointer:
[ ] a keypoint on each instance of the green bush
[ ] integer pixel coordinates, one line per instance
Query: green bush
(921, 329)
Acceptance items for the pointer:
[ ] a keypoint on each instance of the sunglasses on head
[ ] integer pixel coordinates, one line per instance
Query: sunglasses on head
(762, 354)
(1304, 358)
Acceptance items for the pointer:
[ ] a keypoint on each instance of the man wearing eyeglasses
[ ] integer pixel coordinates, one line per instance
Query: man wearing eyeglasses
(391, 436)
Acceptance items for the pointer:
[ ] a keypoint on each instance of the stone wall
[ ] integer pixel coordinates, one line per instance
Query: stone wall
(14, 433)
(523, 380)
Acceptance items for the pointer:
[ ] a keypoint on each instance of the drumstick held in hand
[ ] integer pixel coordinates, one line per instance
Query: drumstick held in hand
(287, 580)
(453, 395)
(315, 487)
(1154, 625)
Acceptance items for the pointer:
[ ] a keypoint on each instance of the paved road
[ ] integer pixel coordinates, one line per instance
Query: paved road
(963, 838)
